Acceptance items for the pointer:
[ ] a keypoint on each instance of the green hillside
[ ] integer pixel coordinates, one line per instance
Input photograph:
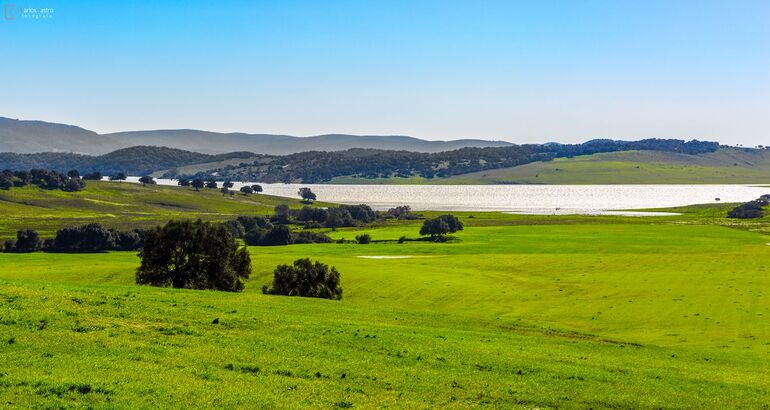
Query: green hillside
(725, 166)
(122, 205)
(587, 314)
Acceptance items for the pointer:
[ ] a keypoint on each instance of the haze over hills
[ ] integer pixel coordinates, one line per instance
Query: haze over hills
(21, 136)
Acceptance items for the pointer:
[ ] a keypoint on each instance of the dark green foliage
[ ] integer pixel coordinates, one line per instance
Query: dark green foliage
(401, 212)
(363, 239)
(282, 214)
(310, 214)
(184, 182)
(307, 279)
(257, 188)
(247, 190)
(306, 194)
(339, 217)
(211, 184)
(73, 173)
(750, 210)
(73, 185)
(86, 238)
(145, 180)
(441, 226)
(197, 183)
(279, 235)
(128, 241)
(235, 228)
(309, 237)
(27, 240)
(93, 176)
(250, 223)
(195, 255)
(120, 176)
(362, 213)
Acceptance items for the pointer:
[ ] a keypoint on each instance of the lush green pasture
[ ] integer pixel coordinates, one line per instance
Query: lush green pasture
(725, 166)
(515, 313)
(122, 205)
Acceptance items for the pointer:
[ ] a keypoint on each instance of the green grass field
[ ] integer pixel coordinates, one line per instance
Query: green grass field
(725, 166)
(516, 312)
(122, 205)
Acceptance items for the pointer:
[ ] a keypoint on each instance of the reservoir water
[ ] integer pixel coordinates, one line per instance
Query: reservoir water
(542, 199)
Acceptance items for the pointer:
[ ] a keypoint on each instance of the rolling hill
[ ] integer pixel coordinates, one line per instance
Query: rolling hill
(38, 136)
(724, 166)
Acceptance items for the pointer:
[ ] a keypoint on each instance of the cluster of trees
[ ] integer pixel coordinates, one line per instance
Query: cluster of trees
(751, 209)
(270, 231)
(211, 183)
(43, 178)
(194, 255)
(139, 160)
(203, 255)
(321, 166)
(86, 238)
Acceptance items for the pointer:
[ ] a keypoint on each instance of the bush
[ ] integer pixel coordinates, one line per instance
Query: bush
(307, 279)
(440, 226)
(364, 239)
(194, 255)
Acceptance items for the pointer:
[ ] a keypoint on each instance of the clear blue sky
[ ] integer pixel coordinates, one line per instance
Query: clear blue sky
(522, 71)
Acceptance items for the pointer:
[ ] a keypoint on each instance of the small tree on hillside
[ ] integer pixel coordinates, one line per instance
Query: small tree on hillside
(306, 194)
(441, 226)
(307, 279)
(94, 176)
(257, 188)
(247, 190)
(145, 180)
(183, 182)
(73, 173)
(197, 183)
(120, 176)
(194, 255)
(211, 184)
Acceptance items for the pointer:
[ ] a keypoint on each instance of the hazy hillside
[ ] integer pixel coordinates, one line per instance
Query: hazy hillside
(725, 166)
(39, 136)
(213, 142)
(132, 161)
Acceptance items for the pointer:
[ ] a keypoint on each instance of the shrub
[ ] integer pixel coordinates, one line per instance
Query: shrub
(307, 279)
(195, 255)
(94, 176)
(364, 239)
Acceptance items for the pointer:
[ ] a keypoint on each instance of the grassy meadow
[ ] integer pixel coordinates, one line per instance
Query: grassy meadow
(123, 205)
(515, 312)
(725, 166)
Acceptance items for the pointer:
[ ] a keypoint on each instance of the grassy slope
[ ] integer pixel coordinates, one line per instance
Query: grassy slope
(726, 166)
(122, 205)
(519, 312)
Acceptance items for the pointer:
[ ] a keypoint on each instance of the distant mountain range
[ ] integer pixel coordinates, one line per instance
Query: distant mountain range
(21, 136)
